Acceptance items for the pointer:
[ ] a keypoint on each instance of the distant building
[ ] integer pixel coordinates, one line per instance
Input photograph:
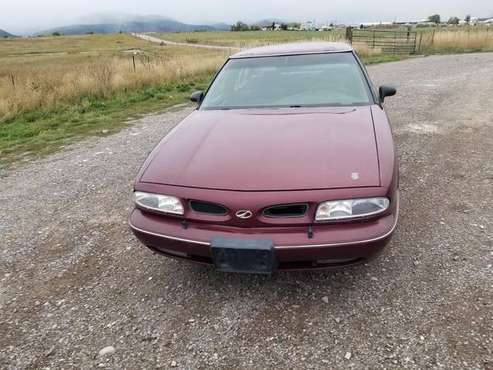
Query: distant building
(308, 26)
(294, 26)
(480, 21)
(272, 27)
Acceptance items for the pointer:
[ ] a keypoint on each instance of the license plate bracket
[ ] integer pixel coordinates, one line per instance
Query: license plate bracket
(244, 255)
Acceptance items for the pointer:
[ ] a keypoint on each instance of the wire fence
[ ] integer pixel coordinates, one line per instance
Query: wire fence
(385, 41)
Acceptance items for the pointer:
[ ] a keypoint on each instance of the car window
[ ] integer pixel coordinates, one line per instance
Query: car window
(331, 79)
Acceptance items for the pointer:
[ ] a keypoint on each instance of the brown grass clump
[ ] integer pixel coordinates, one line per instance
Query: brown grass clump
(25, 87)
(459, 40)
(46, 81)
(364, 50)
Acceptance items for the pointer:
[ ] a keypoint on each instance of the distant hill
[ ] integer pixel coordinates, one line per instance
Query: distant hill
(4, 34)
(221, 26)
(138, 24)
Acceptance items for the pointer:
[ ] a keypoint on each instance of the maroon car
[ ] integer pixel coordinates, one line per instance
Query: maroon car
(287, 163)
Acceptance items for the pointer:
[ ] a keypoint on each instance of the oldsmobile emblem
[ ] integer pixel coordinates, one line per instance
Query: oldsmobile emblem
(244, 214)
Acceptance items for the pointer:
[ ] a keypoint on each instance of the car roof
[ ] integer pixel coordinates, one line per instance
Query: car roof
(294, 48)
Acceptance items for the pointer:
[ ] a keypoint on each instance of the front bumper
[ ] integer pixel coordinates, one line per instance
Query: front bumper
(332, 245)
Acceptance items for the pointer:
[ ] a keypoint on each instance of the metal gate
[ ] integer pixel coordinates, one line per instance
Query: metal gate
(386, 41)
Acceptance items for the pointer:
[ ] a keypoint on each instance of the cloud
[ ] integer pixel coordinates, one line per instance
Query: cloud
(29, 16)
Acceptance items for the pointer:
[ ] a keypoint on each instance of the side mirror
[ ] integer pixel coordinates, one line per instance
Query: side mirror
(384, 91)
(197, 97)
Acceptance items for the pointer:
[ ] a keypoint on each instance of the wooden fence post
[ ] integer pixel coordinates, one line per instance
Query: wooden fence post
(349, 34)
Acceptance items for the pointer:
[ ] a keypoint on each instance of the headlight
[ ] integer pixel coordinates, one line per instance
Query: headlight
(159, 203)
(351, 208)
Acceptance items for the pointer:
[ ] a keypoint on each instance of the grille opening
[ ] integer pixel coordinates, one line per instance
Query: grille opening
(209, 208)
(286, 210)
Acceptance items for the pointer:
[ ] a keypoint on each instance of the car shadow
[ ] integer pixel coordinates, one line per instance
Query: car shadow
(207, 280)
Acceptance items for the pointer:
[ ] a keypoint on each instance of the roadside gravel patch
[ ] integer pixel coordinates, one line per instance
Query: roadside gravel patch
(77, 289)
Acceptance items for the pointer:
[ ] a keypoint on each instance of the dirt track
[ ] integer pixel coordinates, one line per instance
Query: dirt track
(73, 279)
(156, 40)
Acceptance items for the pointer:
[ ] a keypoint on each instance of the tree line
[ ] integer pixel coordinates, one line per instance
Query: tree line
(241, 26)
(435, 18)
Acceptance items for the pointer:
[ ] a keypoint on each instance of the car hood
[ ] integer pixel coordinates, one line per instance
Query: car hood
(269, 150)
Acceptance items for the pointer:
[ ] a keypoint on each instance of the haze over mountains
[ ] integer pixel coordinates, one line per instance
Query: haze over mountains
(120, 22)
(269, 21)
(4, 34)
(112, 24)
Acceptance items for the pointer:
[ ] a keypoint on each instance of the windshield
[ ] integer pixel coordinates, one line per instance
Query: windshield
(332, 79)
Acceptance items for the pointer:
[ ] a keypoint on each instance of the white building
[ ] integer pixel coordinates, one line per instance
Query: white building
(308, 26)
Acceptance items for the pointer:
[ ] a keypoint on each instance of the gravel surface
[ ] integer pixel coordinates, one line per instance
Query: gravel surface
(78, 290)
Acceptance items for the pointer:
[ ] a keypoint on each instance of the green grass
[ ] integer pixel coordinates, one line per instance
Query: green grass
(39, 132)
(383, 58)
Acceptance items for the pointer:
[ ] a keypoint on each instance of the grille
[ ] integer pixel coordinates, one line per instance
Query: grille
(286, 210)
(209, 208)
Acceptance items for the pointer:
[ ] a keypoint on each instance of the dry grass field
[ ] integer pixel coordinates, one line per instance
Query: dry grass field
(433, 40)
(55, 89)
(46, 72)
(260, 38)
(458, 40)
(251, 38)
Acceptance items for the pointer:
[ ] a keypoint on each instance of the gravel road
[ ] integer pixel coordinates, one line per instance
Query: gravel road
(74, 281)
(160, 41)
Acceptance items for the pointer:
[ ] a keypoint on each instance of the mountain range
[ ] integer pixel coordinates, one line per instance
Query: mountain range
(4, 34)
(133, 24)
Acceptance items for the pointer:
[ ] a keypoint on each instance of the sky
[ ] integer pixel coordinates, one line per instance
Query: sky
(24, 16)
